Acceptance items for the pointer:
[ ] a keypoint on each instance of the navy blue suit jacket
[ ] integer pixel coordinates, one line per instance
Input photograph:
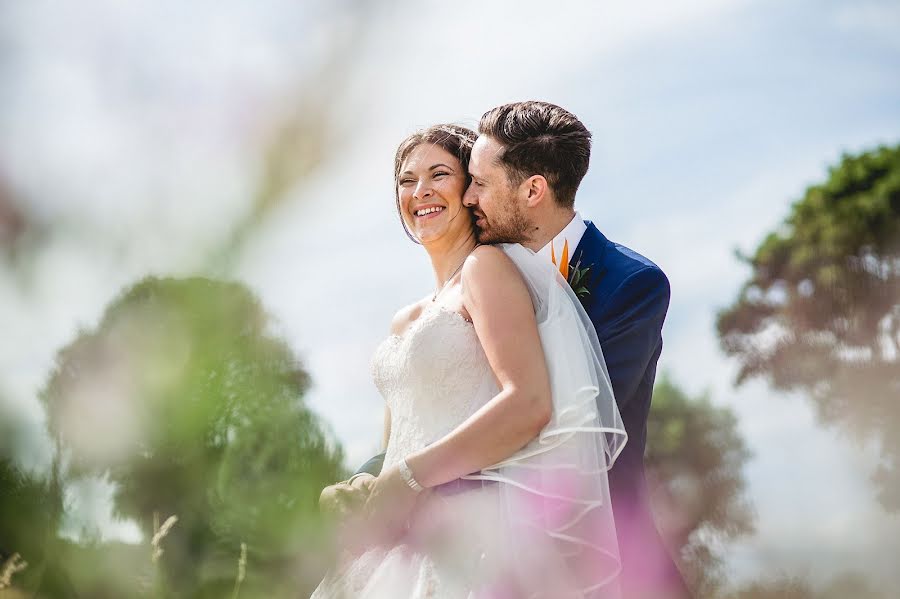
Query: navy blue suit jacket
(627, 304)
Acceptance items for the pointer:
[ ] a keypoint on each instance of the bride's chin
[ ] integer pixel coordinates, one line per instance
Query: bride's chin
(428, 235)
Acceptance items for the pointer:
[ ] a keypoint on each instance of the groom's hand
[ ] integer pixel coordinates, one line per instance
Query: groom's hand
(343, 499)
(389, 505)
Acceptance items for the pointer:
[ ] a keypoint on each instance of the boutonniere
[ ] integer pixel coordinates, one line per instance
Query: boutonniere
(576, 276)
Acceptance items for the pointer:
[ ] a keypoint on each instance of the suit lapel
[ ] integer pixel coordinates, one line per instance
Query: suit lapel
(590, 253)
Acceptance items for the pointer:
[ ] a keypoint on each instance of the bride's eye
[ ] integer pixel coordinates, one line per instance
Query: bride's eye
(440, 174)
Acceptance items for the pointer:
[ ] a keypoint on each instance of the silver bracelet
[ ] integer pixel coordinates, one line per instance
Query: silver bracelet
(407, 476)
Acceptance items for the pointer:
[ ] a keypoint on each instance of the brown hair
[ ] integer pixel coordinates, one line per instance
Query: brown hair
(453, 139)
(540, 138)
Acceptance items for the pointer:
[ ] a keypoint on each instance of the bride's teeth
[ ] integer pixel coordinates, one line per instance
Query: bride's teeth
(425, 211)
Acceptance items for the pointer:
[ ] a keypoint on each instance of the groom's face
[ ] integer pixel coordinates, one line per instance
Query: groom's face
(499, 212)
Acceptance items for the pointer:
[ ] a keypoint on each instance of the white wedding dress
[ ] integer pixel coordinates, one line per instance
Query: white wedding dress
(538, 524)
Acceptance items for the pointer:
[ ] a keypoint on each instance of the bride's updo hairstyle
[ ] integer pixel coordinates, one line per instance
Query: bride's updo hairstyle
(453, 139)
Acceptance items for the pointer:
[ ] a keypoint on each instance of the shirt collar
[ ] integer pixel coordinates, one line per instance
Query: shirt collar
(571, 233)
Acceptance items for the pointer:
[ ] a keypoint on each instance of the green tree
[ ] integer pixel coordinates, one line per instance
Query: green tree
(195, 409)
(30, 509)
(695, 462)
(820, 312)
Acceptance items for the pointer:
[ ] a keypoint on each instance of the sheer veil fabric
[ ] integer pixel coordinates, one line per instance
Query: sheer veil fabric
(554, 492)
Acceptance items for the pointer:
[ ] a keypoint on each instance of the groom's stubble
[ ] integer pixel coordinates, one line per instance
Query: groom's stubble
(508, 225)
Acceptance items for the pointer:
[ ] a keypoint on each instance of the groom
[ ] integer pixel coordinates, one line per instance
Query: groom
(526, 167)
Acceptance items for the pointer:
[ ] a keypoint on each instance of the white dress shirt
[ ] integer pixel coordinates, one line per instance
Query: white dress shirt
(572, 233)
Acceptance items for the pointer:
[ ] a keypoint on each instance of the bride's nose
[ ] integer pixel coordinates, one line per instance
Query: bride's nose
(422, 191)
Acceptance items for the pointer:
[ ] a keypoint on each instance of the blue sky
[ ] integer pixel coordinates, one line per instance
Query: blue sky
(141, 127)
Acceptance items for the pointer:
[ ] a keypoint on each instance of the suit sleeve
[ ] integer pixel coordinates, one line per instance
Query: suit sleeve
(629, 327)
(373, 466)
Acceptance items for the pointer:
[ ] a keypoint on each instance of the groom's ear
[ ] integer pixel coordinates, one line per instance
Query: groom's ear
(534, 190)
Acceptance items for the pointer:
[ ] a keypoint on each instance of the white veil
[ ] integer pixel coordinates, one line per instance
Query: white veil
(554, 491)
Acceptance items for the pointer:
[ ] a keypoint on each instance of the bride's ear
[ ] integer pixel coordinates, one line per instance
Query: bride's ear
(535, 190)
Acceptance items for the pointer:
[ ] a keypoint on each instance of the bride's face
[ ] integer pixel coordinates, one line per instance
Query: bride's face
(430, 187)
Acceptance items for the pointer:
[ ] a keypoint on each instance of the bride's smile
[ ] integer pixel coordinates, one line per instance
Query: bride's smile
(428, 211)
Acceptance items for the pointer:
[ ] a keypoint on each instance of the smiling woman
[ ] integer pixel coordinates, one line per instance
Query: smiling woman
(430, 176)
(432, 181)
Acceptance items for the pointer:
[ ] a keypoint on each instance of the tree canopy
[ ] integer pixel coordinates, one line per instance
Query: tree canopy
(194, 408)
(820, 312)
(695, 461)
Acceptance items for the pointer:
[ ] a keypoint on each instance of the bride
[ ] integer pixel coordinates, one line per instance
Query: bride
(500, 421)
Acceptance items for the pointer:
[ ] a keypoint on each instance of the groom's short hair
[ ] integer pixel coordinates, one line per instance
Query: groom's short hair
(540, 138)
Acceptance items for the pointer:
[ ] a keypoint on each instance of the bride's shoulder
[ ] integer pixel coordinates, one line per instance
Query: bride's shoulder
(486, 259)
(405, 316)
(487, 266)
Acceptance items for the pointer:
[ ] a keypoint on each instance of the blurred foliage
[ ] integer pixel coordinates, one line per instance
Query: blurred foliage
(182, 397)
(30, 510)
(310, 133)
(12, 221)
(848, 586)
(695, 467)
(821, 310)
(193, 408)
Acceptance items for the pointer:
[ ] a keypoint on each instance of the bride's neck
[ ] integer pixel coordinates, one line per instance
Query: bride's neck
(446, 257)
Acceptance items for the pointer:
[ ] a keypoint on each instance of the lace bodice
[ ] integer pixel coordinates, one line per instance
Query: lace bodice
(433, 377)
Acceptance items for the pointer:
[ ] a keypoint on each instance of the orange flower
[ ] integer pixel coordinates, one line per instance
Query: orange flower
(564, 260)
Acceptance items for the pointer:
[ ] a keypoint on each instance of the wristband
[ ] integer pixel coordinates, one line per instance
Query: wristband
(407, 476)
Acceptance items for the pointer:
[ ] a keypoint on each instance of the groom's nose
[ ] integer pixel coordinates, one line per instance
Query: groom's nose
(469, 198)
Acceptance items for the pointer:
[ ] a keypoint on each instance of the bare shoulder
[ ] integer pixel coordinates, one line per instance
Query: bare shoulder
(490, 276)
(487, 262)
(405, 316)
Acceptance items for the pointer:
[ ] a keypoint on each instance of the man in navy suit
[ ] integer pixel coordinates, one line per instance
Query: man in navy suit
(526, 166)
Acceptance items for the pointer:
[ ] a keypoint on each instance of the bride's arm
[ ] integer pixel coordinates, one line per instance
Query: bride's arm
(500, 306)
